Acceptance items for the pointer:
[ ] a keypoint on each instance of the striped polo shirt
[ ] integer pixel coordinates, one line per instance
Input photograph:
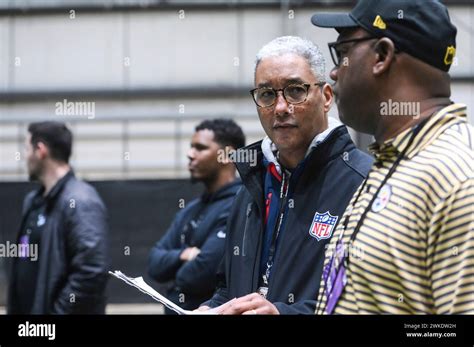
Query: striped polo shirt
(414, 252)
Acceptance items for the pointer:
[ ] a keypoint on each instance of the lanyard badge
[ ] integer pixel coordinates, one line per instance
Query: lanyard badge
(263, 291)
(265, 278)
(24, 244)
(334, 277)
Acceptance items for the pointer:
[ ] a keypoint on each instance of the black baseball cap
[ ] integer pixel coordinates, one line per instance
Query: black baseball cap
(421, 28)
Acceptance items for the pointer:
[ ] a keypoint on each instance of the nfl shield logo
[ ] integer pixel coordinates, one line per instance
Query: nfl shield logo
(323, 225)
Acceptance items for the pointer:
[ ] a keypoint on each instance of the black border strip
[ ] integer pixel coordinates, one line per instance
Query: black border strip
(136, 330)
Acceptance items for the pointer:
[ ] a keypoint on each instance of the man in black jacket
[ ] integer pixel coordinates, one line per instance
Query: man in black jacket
(307, 170)
(66, 220)
(190, 251)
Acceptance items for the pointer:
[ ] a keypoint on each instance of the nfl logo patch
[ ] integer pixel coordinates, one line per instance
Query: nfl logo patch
(323, 225)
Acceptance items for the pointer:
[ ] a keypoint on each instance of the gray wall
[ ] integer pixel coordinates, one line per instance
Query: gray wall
(151, 72)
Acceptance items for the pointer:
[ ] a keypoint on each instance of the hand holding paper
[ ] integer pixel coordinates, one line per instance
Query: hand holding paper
(141, 285)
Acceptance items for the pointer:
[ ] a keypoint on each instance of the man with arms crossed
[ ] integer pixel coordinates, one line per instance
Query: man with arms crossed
(189, 253)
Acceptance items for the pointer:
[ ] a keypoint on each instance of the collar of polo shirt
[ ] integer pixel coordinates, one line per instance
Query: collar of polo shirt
(436, 125)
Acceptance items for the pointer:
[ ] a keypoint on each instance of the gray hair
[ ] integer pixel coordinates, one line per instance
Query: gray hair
(295, 45)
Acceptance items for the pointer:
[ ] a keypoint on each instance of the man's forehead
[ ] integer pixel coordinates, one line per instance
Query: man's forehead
(288, 68)
(286, 60)
(203, 136)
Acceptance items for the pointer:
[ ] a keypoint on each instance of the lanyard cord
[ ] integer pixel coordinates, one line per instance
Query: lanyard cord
(276, 230)
(386, 178)
(367, 209)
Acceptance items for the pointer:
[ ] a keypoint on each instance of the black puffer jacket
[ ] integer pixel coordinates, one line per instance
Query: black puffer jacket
(333, 171)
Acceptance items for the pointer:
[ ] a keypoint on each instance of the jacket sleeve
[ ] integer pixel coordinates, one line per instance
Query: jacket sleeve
(163, 261)
(221, 295)
(87, 252)
(198, 276)
(301, 307)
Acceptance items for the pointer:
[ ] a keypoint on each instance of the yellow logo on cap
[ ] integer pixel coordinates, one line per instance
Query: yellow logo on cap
(450, 53)
(379, 23)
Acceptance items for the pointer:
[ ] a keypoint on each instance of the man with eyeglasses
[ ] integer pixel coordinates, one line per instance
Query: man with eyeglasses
(307, 169)
(412, 220)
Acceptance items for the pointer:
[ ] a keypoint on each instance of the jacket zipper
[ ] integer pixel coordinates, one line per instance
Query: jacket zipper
(244, 241)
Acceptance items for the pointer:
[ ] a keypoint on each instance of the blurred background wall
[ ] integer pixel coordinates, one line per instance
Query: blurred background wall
(146, 72)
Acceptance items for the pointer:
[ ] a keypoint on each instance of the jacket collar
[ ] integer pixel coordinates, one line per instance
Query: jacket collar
(58, 187)
(53, 194)
(435, 126)
(222, 193)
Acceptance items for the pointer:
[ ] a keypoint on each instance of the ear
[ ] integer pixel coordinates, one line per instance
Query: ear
(385, 55)
(328, 96)
(42, 150)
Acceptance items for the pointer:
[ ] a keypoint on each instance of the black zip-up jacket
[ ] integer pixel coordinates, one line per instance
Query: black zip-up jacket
(201, 224)
(332, 172)
(73, 253)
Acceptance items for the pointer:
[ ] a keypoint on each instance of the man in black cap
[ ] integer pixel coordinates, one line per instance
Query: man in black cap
(411, 223)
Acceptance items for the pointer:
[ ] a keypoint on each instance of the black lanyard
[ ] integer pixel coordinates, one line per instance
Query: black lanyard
(386, 178)
(276, 230)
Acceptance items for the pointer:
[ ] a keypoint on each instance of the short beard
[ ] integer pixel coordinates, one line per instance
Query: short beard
(34, 174)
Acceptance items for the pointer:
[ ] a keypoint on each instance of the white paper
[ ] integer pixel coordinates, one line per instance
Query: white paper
(142, 286)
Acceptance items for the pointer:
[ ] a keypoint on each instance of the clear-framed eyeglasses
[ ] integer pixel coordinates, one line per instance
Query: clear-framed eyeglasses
(293, 94)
